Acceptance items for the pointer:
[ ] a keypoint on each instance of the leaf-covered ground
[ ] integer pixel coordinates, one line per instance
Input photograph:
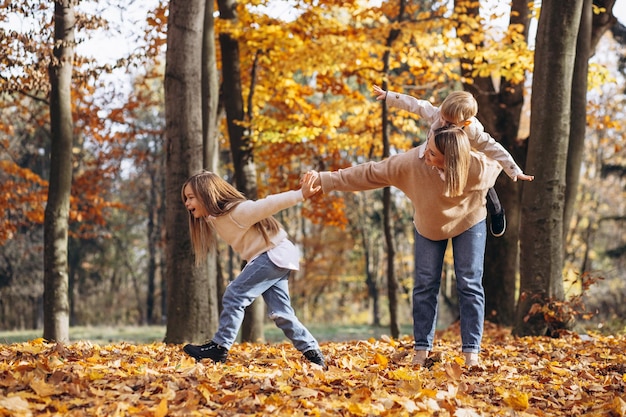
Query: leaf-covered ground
(570, 376)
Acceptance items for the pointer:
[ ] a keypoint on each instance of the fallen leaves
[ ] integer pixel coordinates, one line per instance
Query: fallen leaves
(517, 377)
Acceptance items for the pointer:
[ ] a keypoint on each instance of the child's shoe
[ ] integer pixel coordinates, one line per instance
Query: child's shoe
(315, 356)
(497, 226)
(210, 350)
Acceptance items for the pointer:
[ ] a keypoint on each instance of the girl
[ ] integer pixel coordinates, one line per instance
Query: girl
(216, 207)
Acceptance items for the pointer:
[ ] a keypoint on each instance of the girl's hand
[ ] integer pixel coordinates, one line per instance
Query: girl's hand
(310, 184)
(524, 177)
(380, 93)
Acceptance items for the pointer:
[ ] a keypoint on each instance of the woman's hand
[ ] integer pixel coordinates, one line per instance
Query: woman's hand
(310, 184)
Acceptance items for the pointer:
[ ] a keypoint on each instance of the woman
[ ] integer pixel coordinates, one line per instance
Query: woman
(447, 184)
(459, 108)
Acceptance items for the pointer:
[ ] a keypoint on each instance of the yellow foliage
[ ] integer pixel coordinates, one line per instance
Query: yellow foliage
(518, 400)
(381, 360)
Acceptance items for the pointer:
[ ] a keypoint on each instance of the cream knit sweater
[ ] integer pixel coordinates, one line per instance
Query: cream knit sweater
(236, 227)
(436, 216)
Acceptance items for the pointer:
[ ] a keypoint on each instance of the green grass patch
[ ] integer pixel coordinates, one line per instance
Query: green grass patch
(153, 334)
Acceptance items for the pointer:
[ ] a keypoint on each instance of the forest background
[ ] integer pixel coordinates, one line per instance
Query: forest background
(305, 75)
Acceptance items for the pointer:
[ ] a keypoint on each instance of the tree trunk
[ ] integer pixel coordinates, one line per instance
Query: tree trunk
(578, 116)
(592, 27)
(500, 113)
(240, 147)
(210, 91)
(210, 134)
(56, 220)
(392, 282)
(541, 244)
(155, 168)
(365, 234)
(187, 294)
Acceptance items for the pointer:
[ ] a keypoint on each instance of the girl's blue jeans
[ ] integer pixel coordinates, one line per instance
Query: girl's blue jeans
(261, 277)
(469, 255)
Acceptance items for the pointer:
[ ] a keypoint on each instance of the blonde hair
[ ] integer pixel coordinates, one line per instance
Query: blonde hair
(454, 144)
(217, 198)
(458, 107)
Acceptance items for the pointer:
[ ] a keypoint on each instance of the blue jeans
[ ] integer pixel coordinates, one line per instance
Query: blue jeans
(261, 277)
(469, 255)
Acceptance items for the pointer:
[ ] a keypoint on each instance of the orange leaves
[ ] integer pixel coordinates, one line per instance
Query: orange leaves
(523, 377)
(22, 198)
(619, 407)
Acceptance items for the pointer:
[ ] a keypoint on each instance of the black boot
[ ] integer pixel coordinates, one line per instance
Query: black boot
(210, 350)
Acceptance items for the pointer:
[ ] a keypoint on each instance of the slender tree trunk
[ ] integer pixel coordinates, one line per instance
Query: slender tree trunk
(392, 281)
(210, 91)
(162, 238)
(578, 116)
(154, 238)
(370, 276)
(241, 148)
(187, 284)
(592, 27)
(56, 220)
(210, 134)
(541, 244)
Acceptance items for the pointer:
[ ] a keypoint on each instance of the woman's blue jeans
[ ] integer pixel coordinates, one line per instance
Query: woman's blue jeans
(469, 255)
(261, 277)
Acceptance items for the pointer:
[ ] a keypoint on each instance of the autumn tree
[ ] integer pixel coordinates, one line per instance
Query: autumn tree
(187, 295)
(392, 282)
(596, 19)
(240, 145)
(541, 241)
(210, 142)
(56, 308)
(544, 294)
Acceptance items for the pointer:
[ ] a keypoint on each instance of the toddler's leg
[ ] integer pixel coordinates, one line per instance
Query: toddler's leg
(493, 202)
(497, 225)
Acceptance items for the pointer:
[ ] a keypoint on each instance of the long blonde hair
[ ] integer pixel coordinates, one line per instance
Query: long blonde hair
(217, 198)
(454, 144)
(458, 107)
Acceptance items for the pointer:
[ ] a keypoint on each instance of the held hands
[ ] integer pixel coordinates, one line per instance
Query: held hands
(524, 177)
(380, 93)
(310, 184)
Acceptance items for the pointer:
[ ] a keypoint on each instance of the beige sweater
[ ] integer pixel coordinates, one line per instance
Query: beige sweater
(436, 216)
(236, 227)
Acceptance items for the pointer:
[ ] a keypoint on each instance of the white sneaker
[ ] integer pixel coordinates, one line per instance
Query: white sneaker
(471, 359)
(420, 357)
